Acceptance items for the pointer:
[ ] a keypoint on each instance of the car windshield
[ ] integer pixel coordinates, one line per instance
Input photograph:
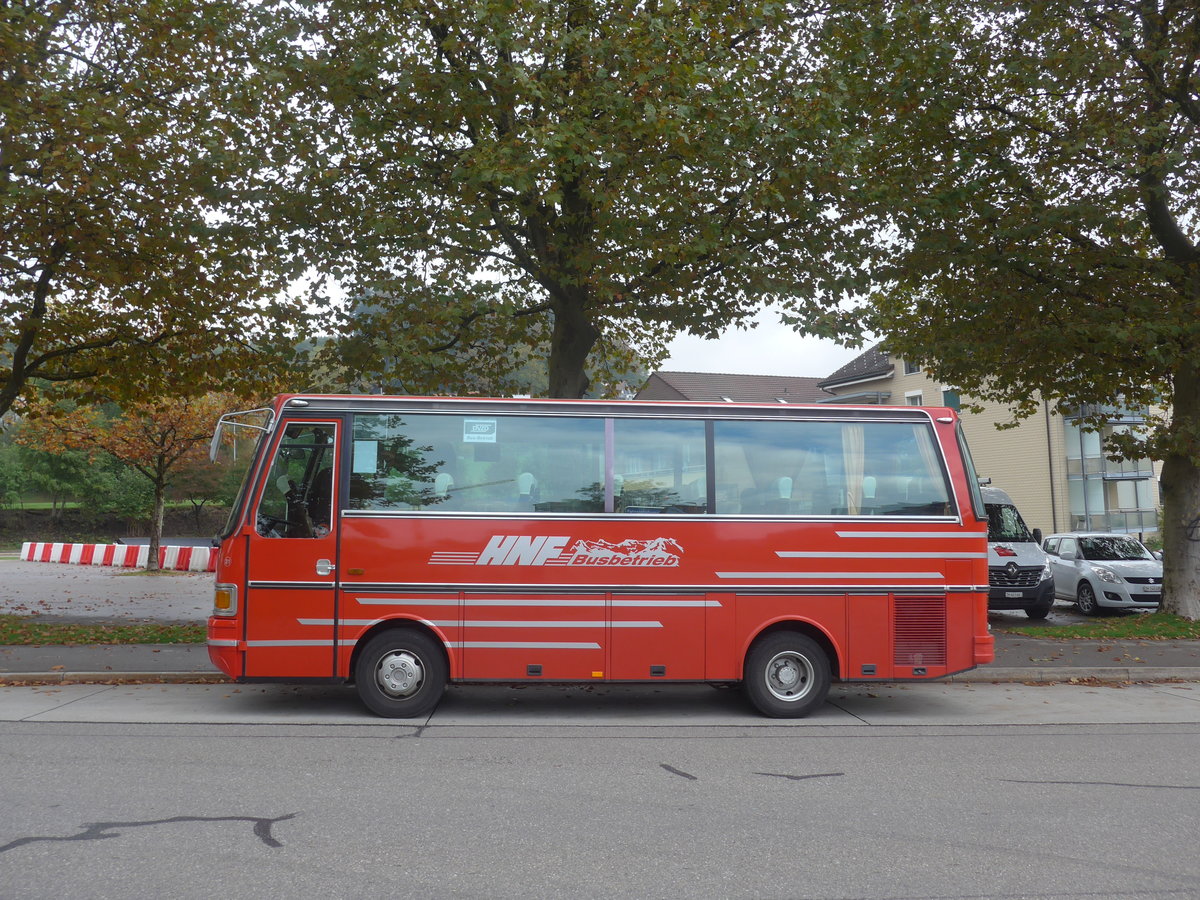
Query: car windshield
(1006, 524)
(1112, 548)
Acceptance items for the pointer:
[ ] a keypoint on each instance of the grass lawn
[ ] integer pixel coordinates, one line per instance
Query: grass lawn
(1139, 627)
(28, 630)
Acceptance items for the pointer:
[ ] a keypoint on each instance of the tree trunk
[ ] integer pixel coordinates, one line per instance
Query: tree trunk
(156, 524)
(571, 341)
(1181, 500)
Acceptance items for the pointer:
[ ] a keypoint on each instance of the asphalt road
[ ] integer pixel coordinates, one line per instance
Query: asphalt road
(555, 800)
(889, 792)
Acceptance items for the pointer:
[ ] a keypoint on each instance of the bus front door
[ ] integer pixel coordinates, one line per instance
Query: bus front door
(292, 555)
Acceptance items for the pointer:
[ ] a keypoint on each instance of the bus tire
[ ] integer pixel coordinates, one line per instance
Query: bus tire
(401, 673)
(787, 675)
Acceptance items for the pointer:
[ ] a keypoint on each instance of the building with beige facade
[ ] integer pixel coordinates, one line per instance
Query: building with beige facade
(1054, 471)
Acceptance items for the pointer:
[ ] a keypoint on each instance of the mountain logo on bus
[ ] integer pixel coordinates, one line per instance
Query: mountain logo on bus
(656, 552)
(552, 550)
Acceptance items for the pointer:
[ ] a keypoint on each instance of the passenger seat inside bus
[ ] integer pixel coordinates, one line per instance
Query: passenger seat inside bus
(527, 489)
(774, 499)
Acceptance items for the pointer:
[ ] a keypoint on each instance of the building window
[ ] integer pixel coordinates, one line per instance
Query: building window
(912, 398)
(1106, 495)
(950, 398)
(911, 368)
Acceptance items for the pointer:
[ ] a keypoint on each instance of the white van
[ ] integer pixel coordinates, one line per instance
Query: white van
(1019, 573)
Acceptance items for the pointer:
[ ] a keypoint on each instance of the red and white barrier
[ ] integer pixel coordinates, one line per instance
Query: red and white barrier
(128, 556)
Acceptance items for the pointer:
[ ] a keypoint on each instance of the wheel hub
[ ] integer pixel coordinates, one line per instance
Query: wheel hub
(400, 673)
(789, 676)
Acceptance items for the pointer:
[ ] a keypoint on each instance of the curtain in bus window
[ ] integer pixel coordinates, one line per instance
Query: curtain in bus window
(852, 455)
(477, 463)
(659, 466)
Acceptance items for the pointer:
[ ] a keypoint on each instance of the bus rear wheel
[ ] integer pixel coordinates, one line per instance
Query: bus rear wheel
(787, 675)
(400, 674)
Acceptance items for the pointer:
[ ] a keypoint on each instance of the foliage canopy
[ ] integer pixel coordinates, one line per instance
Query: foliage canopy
(1033, 170)
(134, 141)
(489, 174)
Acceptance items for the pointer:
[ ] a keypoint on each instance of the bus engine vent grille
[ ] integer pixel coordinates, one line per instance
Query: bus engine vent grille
(920, 632)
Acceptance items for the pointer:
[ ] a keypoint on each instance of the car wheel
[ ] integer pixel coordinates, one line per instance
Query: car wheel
(1085, 599)
(787, 675)
(400, 674)
(1041, 609)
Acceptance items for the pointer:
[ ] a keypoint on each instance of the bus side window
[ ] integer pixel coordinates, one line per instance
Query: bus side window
(659, 466)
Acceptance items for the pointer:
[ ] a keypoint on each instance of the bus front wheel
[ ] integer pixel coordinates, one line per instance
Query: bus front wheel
(787, 675)
(400, 674)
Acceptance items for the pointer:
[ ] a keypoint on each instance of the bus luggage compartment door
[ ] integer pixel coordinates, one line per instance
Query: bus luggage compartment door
(516, 636)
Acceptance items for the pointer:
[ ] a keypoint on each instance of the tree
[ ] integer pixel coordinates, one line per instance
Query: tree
(60, 476)
(1032, 169)
(488, 174)
(157, 439)
(135, 169)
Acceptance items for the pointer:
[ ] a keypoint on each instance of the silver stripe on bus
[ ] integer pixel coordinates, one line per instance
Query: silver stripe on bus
(360, 623)
(523, 645)
(624, 590)
(454, 623)
(644, 603)
(222, 642)
(867, 554)
(522, 601)
(829, 574)
(912, 534)
(292, 585)
(666, 604)
(406, 601)
(318, 643)
(469, 623)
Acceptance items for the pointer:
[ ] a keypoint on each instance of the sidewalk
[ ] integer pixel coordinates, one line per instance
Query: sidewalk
(1018, 659)
(57, 592)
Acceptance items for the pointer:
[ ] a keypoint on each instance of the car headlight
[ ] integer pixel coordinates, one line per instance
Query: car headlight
(1047, 571)
(1106, 575)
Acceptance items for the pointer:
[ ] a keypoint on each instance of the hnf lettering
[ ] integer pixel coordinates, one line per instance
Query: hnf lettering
(520, 550)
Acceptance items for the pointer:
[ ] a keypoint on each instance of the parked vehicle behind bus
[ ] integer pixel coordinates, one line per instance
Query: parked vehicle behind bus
(1101, 571)
(402, 543)
(1019, 571)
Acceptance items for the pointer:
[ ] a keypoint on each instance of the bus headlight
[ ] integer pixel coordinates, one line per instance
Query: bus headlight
(225, 600)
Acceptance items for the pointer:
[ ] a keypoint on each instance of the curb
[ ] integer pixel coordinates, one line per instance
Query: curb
(997, 675)
(1069, 674)
(10, 679)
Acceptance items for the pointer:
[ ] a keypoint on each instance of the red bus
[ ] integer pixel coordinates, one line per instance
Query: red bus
(402, 543)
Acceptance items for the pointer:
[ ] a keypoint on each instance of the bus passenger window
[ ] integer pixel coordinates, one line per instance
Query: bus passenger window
(297, 499)
(659, 467)
(771, 467)
(479, 463)
(401, 463)
(781, 467)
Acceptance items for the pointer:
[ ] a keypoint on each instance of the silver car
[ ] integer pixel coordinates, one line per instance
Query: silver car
(1104, 571)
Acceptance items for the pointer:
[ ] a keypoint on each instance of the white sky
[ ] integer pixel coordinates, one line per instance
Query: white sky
(771, 348)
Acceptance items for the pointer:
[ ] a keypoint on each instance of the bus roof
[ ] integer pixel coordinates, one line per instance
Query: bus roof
(331, 403)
